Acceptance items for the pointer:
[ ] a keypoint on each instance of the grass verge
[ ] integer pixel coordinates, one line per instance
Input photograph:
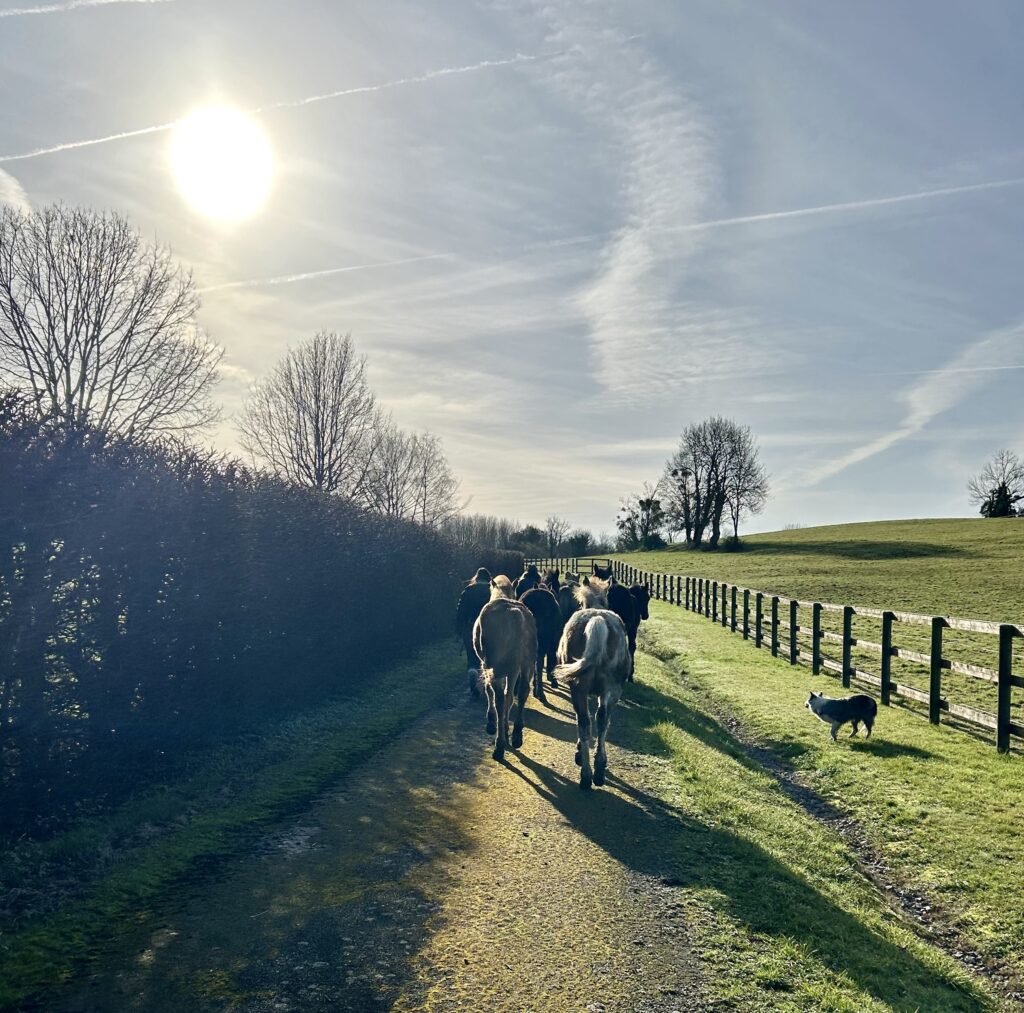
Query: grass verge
(260, 781)
(942, 810)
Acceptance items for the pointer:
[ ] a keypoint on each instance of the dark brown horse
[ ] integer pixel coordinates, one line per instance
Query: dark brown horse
(548, 616)
(593, 660)
(552, 582)
(529, 580)
(474, 597)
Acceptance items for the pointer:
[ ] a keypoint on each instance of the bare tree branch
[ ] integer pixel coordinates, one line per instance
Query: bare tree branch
(99, 327)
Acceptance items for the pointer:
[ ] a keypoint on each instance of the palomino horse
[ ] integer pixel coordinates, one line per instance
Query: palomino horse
(504, 586)
(593, 659)
(592, 593)
(505, 640)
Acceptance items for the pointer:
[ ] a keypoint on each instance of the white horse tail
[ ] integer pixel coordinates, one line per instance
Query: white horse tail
(596, 633)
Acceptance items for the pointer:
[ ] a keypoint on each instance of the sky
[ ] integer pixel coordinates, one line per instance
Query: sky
(560, 231)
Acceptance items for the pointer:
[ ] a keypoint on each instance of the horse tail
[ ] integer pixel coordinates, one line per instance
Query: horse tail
(596, 633)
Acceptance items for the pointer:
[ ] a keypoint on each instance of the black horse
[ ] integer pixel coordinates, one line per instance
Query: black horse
(548, 616)
(474, 597)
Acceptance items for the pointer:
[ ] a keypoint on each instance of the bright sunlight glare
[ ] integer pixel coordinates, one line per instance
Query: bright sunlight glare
(222, 163)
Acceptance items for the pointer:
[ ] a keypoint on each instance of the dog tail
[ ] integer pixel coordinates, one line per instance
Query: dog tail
(596, 633)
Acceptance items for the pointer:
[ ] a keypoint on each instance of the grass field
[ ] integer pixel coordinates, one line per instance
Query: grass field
(942, 810)
(971, 569)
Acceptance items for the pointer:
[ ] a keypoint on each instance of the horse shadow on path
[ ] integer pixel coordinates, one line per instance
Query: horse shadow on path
(678, 849)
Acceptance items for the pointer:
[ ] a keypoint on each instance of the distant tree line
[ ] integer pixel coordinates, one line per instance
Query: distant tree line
(557, 538)
(715, 476)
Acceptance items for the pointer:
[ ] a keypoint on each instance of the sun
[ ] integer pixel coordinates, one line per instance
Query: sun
(222, 163)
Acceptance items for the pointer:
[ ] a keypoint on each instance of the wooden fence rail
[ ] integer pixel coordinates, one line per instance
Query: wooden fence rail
(734, 607)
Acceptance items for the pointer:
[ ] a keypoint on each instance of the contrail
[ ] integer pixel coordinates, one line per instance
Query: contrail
(430, 75)
(855, 205)
(715, 223)
(70, 5)
(286, 279)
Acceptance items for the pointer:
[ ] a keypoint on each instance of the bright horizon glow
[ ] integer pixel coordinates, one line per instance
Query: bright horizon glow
(222, 163)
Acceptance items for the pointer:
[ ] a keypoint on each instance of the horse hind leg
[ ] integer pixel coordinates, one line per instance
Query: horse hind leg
(538, 682)
(552, 661)
(582, 707)
(522, 694)
(604, 720)
(497, 689)
(492, 709)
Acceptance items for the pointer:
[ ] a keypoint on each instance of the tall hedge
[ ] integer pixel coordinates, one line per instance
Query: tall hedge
(154, 598)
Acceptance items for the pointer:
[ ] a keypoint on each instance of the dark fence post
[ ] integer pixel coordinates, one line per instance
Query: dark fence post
(793, 645)
(746, 613)
(758, 619)
(1006, 635)
(887, 621)
(775, 625)
(732, 609)
(707, 599)
(714, 602)
(687, 592)
(935, 688)
(725, 604)
(847, 644)
(816, 638)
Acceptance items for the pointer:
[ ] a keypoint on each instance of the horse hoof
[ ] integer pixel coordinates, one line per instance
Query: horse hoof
(585, 782)
(599, 777)
(539, 694)
(552, 682)
(499, 753)
(517, 739)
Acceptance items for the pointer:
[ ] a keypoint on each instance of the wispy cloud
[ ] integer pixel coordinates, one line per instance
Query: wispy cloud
(402, 82)
(12, 192)
(70, 5)
(936, 393)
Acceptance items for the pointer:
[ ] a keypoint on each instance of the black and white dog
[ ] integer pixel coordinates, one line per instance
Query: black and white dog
(853, 709)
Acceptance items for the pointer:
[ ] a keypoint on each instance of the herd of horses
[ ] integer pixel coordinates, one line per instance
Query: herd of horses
(580, 632)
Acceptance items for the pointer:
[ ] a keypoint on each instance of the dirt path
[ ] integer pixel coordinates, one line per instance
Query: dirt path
(434, 878)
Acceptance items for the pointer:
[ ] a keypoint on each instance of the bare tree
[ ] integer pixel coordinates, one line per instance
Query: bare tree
(716, 467)
(999, 486)
(746, 483)
(98, 326)
(556, 528)
(640, 520)
(410, 477)
(314, 419)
